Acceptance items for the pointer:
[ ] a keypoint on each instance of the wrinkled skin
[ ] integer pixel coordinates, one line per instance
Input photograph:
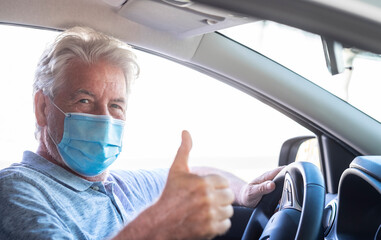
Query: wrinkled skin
(252, 193)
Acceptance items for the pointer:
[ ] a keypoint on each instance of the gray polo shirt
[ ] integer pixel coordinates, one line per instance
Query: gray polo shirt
(40, 200)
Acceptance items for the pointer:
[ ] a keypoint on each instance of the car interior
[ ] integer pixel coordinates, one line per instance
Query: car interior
(337, 198)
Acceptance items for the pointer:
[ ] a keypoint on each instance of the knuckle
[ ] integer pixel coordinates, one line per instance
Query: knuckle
(214, 228)
(230, 211)
(201, 186)
(231, 196)
(210, 226)
(206, 203)
(226, 197)
(215, 179)
(211, 213)
(223, 227)
(203, 182)
(226, 212)
(222, 179)
(261, 188)
(211, 178)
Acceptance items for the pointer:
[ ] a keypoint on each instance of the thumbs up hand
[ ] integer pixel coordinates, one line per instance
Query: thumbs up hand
(191, 206)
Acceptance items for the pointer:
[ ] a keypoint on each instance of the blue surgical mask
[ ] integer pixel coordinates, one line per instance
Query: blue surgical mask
(90, 143)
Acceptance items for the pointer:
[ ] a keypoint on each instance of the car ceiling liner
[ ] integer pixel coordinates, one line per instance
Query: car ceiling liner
(349, 25)
(183, 18)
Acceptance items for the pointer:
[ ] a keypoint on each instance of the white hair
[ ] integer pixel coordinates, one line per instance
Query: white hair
(88, 46)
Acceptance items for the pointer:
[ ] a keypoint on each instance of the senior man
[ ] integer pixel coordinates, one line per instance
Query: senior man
(64, 190)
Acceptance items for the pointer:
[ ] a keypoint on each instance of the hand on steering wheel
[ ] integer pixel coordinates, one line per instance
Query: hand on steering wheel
(300, 210)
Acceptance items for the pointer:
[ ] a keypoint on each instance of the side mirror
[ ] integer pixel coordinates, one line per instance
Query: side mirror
(302, 148)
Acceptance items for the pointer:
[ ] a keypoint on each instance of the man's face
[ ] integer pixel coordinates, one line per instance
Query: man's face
(98, 89)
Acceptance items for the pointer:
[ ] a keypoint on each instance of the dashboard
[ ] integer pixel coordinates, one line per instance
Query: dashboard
(355, 213)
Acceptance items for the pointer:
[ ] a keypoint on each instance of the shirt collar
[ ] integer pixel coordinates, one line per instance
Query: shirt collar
(67, 178)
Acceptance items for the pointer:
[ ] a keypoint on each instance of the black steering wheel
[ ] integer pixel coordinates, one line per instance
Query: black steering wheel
(298, 214)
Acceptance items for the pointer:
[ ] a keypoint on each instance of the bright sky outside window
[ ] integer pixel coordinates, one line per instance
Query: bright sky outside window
(230, 129)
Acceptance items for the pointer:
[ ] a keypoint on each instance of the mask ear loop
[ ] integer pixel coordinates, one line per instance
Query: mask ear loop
(50, 135)
(58, 150)
(66, 115)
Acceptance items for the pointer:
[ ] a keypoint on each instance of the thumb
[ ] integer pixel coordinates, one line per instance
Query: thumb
(180, 164)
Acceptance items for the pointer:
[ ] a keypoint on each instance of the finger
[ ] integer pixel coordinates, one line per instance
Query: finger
(225, 212)
(224, 196)
(217, 181)
(270, 175)
(180, 164)
(222, 226)
(262, 188)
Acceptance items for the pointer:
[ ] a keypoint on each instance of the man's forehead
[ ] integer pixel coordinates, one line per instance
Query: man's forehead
(94, 80)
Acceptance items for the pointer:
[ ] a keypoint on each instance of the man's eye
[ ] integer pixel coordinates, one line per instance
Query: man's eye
(84, 101)
(116, 106)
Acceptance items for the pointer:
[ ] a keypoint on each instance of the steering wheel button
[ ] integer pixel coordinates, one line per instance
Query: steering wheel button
(289, 198)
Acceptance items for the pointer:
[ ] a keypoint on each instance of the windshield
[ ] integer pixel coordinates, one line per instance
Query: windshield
(302, 52)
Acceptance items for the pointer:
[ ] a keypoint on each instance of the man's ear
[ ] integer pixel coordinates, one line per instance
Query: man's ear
(40, 108)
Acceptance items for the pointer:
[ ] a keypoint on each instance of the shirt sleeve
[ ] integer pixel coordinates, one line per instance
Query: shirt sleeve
(149, 183)
(23, 207)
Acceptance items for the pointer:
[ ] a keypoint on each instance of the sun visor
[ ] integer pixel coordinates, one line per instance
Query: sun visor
(180, 17)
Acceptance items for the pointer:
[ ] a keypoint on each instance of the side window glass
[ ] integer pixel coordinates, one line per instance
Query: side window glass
(231, 130)
(20, 50)
(309, 151)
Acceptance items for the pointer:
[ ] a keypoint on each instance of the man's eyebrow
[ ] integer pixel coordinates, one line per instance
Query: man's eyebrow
(86, 92)
(82, 91)
(120, 100)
